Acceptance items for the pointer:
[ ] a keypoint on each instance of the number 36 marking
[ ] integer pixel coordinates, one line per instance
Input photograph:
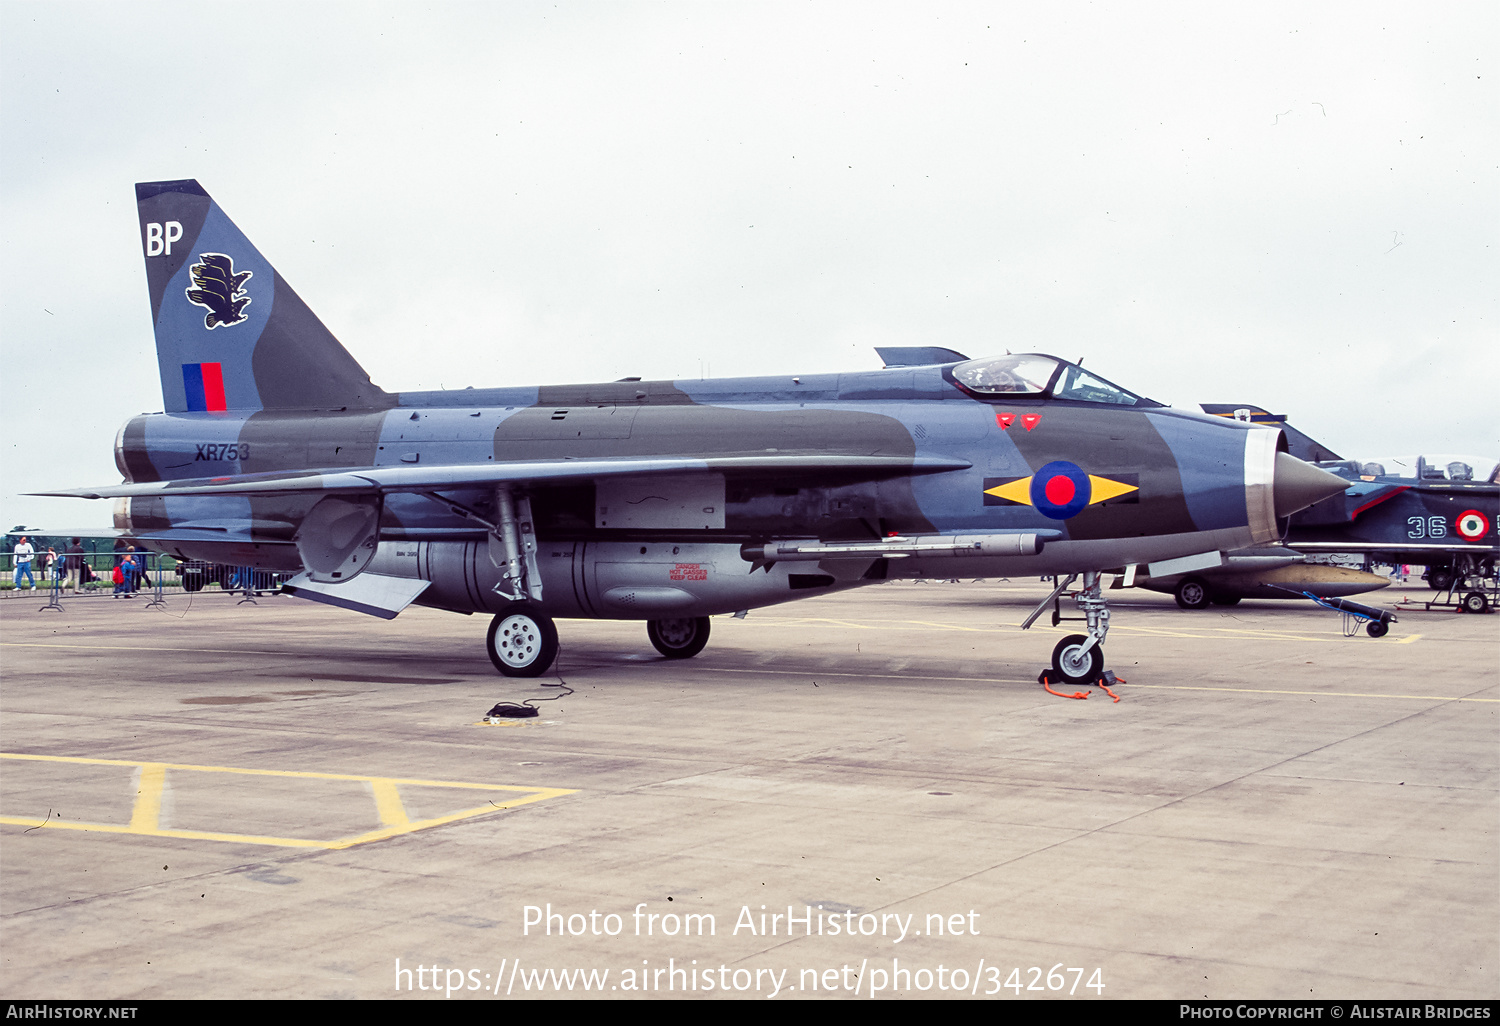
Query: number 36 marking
(1427, 527)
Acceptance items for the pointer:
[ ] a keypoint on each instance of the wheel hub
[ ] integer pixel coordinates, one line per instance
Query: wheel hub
(676, 632)
(518, 640)
(1074, 661)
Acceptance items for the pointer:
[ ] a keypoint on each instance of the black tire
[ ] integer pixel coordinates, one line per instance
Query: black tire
(192, 582)
(521, 642)
(1074, 668)
(1226, 600)
(678, 637)
(1192, 593)
(1376, 629)
(1475, 602)
(1440, 580)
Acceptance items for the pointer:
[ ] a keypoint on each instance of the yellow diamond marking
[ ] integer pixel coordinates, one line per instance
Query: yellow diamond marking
(152, 780)
(1015, 491)
(1101, 488)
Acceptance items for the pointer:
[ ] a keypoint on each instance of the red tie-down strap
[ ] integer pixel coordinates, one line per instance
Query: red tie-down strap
(1103, 682)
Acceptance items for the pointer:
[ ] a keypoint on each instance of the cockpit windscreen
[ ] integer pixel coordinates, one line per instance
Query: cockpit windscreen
(1077, 383)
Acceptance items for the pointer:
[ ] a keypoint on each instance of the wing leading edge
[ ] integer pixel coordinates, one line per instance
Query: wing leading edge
(421, 479)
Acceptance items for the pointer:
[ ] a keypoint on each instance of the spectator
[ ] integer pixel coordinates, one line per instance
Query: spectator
(125, 576)
(138, 566)
(73, 563)
(23, 553)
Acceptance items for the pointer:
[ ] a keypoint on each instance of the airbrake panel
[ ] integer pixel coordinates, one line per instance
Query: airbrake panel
(337, 538)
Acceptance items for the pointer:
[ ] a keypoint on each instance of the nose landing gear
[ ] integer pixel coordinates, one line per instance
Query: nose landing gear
(1078, 658)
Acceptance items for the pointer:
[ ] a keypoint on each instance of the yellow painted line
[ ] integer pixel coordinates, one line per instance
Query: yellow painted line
(1201, 634)
(873, 624)
(824, 674)
(151, 780)
(145, 816)
(950, 626)
(872, 676)
(190, 835)
(388, 803)
(273, 773)
(141, 648)
(424, 824)
(1150, 632)
(1315, 694)
(826, 621)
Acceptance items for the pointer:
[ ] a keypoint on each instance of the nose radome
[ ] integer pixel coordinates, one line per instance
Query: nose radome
(1297, 485)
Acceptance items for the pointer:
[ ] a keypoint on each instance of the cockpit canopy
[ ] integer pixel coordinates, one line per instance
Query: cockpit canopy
(1037, 376)
(1459, 469)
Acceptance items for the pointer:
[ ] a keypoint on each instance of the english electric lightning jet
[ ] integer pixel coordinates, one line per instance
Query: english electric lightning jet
(663, 501)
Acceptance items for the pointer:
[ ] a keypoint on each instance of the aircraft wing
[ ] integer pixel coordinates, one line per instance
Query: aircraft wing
(1360, 497)
(373, 480)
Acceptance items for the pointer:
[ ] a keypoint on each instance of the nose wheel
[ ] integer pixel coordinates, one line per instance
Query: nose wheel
(1078, 660)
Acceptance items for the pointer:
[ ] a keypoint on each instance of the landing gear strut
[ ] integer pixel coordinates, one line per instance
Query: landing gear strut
(1079, 658)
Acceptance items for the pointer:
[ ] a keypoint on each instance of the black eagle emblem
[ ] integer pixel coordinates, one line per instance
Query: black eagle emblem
(217, 287)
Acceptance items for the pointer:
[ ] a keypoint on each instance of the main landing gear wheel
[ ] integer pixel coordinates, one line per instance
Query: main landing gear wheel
(1376, 629)
(522, 642)
(1075, 665)
(1192, 594)
(1475, 602)
(680, 637)
(1440, 579)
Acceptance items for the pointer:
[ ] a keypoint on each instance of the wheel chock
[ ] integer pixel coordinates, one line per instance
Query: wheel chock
(1105, 680)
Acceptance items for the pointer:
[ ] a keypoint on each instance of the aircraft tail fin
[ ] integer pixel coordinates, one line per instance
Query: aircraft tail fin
(230, 332)
(1300, 446)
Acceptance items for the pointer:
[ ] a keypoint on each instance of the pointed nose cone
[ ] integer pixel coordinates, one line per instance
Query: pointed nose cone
(1298, 485)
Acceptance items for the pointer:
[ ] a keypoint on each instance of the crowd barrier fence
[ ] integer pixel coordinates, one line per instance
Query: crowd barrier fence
(156, 577)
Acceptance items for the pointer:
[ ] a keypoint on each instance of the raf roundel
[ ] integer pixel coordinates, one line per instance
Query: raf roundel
(1060, 490)
(1471, 525)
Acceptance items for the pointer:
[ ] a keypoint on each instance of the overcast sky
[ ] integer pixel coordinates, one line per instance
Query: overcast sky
(1292, 205)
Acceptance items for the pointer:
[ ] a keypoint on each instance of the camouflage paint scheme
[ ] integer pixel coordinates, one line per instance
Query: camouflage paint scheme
(267, 414)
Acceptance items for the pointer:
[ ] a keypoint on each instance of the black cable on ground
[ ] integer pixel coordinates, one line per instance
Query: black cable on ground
(513, 711)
